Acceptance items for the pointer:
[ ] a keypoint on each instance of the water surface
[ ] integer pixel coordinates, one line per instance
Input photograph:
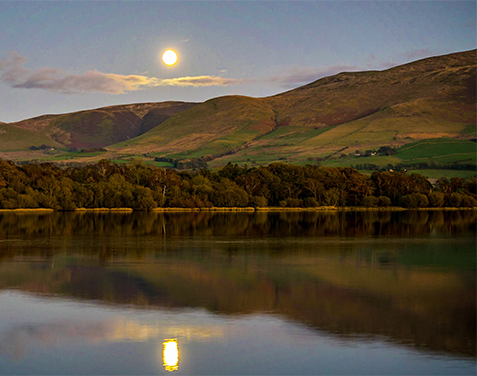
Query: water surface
(238, 293)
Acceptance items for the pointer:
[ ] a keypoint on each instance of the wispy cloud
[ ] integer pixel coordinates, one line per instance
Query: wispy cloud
(12, 65)
(57, 80)
(201, 81)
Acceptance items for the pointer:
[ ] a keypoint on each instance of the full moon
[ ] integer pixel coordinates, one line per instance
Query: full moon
(169, 57)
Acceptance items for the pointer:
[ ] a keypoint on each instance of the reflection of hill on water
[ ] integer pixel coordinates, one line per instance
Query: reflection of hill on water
(430, 309)
(342, 272)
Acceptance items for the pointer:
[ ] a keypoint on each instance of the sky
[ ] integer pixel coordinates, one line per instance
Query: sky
(66, 56)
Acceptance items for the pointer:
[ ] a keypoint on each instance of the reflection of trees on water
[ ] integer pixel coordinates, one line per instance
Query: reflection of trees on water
(40, 233)
(339, 223)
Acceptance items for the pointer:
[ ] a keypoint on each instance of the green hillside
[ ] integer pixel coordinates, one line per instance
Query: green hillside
(426, 110)
(13, 139)
(428, 99)
(100, 127)
(208, 128)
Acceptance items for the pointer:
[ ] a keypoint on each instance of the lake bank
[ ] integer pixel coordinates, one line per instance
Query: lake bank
(236, 209)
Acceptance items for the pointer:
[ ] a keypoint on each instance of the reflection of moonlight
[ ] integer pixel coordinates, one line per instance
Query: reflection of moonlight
(169, 57)
(170, 355)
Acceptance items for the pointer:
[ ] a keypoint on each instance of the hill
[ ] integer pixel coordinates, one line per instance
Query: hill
(329, 118)
(90, 128)
(338, 117)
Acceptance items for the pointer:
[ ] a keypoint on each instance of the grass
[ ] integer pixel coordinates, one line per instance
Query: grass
(158, 164)
(291, 135)
(13, 138)
(380, 160)
(436, 174)
(470, 130)
(439, 150)
(232, 120)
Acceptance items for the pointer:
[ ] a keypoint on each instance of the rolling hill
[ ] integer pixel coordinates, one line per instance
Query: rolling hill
(90, 128)
(335, 117)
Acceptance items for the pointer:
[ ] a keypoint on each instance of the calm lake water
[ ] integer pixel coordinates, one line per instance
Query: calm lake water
(238, 293)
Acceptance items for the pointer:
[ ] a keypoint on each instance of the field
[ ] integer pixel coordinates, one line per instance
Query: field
(434, 152)
(442, 151)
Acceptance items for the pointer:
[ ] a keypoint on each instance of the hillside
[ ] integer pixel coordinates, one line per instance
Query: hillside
(90, 128)
(431, 98)
(335, 117)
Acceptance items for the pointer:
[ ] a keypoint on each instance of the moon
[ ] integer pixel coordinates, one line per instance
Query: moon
(169, 57)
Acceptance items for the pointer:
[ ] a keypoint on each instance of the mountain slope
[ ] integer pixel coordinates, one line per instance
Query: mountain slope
(213, 127)
(103, 126)
(430, 98)
(427, 99)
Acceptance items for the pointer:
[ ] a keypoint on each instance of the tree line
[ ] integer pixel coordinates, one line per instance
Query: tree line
(141, 187)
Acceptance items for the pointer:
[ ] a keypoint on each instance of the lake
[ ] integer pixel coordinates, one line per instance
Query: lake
(145, 293)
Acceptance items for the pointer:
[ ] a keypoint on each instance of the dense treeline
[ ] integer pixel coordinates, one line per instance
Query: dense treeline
(137, 186)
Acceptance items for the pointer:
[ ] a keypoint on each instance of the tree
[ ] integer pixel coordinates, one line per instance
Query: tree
(315, 187)
(229, 194)
(436, 199)
(414, 200)
(370, 201)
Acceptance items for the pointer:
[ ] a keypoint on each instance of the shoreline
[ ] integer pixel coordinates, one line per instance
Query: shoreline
(233, 209)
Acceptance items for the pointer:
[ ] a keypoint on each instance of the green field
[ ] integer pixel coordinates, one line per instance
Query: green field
(440, 151)
(432, 151)
(436, 174)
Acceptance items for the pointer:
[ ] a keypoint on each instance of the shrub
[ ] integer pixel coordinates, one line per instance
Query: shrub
(414, 200)
(370, 201)
(468, 202)
(436, 199)
(258, 201)
(291, 203)
(310, 202)
(384, 201)
(231, 197)
(453, 200)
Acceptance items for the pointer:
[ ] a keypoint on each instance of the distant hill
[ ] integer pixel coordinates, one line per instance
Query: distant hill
(96, 128)
(334, 117)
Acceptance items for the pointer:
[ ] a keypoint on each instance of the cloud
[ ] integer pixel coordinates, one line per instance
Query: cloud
(57, 80)
(13, 67)
(202, 81)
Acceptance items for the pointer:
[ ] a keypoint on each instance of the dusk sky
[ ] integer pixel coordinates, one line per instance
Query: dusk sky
(58, 57)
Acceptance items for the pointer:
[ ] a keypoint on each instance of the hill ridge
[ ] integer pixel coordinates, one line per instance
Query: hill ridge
(432, 97)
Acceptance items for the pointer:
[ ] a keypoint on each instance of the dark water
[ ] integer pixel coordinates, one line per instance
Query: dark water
(245, 293)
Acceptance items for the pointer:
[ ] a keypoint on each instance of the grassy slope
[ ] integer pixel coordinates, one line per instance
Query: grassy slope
(99, 127)
(428, 99)
(340, 114)
(13, 139)
(425, 99)
(208, 128)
